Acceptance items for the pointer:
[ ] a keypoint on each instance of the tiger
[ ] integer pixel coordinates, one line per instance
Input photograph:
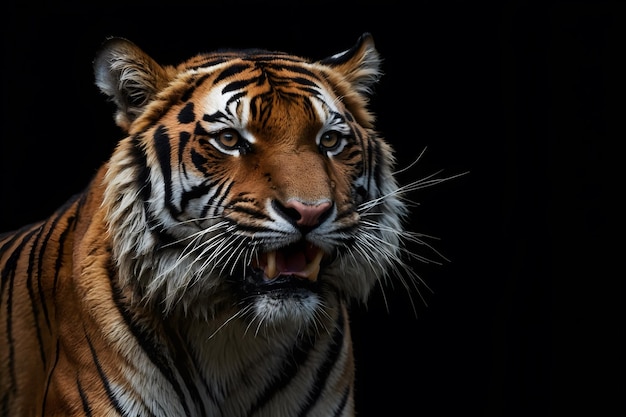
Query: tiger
(209, 266)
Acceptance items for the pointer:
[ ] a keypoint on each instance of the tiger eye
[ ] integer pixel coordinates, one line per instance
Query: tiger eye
(228, 138)
(330, 139)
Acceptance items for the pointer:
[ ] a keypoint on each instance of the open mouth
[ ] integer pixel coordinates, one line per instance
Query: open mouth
(300, 260)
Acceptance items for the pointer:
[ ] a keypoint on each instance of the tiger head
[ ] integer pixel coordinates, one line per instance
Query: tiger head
(250, 182)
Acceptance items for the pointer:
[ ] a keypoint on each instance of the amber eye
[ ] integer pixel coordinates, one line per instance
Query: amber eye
(228, 138)
(330, 140)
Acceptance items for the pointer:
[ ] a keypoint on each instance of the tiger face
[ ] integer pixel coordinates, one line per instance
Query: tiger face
(251, 183)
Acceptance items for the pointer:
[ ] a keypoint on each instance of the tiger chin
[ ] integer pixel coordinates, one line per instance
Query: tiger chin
(208, 267)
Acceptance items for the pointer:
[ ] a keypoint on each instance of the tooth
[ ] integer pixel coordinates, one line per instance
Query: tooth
(270, 268)
(313, 269)
(318, 257)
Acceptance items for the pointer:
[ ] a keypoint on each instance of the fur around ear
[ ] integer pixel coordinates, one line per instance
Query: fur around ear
(354, 73)
(361, 64)
(129, 77)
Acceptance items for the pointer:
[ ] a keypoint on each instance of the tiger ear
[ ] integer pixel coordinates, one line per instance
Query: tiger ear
(361, 64)
(129, 77)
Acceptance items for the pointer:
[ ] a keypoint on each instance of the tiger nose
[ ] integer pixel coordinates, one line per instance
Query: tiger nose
(307, 215)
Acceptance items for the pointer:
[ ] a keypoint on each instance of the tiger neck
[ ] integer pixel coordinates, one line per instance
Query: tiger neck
(228, 350)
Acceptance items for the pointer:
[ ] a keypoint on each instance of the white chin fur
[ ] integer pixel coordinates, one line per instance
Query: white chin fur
(272, 309)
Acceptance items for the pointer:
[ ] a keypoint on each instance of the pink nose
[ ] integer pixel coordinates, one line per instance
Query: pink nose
(309, 214)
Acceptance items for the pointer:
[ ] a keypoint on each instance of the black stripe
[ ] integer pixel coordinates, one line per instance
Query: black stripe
(209, 204)
(222, 198)
(344, 400)
(371, 163)
(185, 362)
(8, 277)
(255, 103)
(59, 258)
(213, 117)
(52, 369)
(187, 94)
(312, 91)
(34, 252)
(7, 244)
(5, 404)
(235, 97)
(293, 68)
(11, 238)
(323, 372)
(270, 57)
(152, 348)
(183, 139)
(354, 153)
(199, 161)
(105, 380)
(53, 221)
(161, 140)
(360, 166)
(335, 117)
(211, 62)
(378, 162)
(252, 212)
(230, 71)
(239, 84)
(293, 361)
(139, 162)
(83, 398)
(195, 192)
(265, 104)
(143, 184)
(304, 82)
(186, 115)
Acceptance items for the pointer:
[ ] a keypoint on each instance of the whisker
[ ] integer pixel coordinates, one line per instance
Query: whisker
(238, 314)
(415, 161)
(200, 232)
(400, 192)
(234, 250)
(258, 327)
(406, 236)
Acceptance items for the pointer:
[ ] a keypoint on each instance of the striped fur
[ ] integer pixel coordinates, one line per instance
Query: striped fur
(207, 268)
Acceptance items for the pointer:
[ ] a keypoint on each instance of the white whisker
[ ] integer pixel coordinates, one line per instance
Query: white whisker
(415, 162)
(400, 192)
(238, 314)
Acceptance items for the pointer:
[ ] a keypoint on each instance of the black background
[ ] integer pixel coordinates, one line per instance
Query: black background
(525, 318)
